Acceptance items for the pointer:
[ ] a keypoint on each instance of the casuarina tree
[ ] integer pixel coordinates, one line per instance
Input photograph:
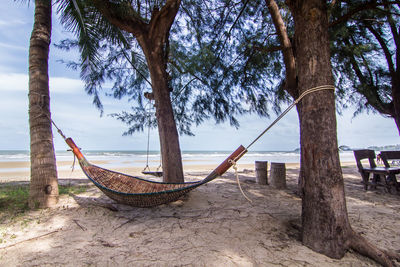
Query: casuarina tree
(148, 26)
(326, 227)
(204, 73)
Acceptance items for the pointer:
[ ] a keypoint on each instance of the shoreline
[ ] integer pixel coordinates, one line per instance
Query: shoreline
(11, 171)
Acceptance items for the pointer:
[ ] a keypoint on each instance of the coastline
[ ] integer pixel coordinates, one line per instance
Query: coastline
(15, 165)
(19, 170)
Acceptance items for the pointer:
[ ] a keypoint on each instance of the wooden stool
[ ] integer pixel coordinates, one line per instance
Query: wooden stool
(261, 172)
(278, 175)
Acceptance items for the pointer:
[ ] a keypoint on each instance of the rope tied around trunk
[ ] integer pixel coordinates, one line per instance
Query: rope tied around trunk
(306, 92)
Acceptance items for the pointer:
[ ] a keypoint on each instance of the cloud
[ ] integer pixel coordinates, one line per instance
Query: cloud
(65, 85)
(13, 46)
(14, 23)
(20, 82)
(13, 82)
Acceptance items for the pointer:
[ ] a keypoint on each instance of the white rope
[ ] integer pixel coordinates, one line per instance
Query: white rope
(238, 181)
(314, 89)
(306, 92)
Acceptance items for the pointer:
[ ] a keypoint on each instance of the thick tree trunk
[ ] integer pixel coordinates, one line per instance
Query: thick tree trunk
(169, 138)
(326, 228)
(324, 213)
(44, 185)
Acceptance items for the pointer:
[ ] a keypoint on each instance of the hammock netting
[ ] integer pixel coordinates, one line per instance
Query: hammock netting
(139, 192)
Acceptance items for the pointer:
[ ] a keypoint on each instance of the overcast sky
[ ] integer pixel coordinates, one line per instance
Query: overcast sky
(74, 113)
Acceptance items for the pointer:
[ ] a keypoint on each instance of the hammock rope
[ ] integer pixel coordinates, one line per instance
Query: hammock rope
(146, 169)
(148, 143)
(308, 91)
(233, 162)
(294, 103)
(234, 166)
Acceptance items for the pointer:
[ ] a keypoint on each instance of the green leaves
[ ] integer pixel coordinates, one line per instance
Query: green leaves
(223, 59)
(363, 50)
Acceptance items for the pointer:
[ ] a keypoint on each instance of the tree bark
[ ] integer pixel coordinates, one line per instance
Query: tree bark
(43, 191)
(324, 213)
(326, 228)
(168, 133)
(153, 39)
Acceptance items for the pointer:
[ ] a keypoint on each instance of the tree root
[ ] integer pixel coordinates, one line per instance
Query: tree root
(362, 246)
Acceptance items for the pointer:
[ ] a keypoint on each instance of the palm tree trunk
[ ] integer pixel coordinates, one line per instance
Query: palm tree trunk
(44, 185)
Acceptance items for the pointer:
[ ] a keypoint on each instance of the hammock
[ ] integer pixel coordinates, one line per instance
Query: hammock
(139, 192)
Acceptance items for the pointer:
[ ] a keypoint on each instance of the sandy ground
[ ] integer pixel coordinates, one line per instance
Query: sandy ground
(213, 226)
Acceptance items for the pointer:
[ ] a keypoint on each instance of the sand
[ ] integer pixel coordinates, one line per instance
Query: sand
(213, 226)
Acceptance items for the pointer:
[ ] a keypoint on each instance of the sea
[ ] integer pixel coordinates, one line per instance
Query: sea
(122, 159)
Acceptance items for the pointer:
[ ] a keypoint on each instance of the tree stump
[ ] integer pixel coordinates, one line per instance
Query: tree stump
(261, 172)
(278, 175)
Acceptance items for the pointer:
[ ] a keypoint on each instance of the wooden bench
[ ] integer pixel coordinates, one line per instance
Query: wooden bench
(380, 174)
(387, 157)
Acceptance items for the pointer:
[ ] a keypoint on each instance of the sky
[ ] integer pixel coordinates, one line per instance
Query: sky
(74, 113)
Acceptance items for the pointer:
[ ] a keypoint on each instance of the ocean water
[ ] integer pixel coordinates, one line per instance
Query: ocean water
(120, 159)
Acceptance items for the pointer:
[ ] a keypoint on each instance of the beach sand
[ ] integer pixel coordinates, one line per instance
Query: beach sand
(213, 226)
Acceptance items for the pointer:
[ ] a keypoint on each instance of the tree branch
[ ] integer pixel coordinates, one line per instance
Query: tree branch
(372, 96)
(268, 49)
(121, 16)
(161, 21)
(287, 49)
(362, 7)
(384, 47)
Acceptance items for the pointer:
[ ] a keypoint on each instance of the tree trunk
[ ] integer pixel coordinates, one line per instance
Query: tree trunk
(326, 228)
(44, 185)
(324, 213)
(168, 133)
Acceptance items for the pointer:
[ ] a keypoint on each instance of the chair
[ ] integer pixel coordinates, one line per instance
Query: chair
(386, 156)
(380, 174)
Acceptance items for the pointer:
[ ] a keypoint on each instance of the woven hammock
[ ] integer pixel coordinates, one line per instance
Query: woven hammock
(139, 192)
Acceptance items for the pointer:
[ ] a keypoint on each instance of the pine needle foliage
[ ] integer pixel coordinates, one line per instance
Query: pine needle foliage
(365, 46)
(222, 60)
